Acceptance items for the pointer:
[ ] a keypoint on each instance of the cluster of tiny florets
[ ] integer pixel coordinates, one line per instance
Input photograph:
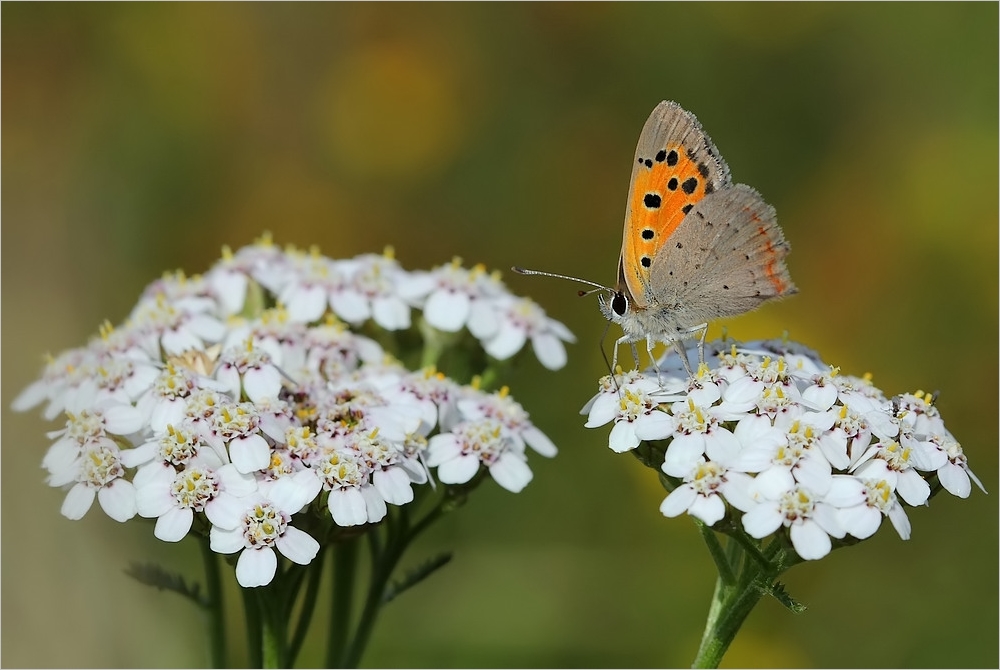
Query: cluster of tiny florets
(247, 396)
(769, 436)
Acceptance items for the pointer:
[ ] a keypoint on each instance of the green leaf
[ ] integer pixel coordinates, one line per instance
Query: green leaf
(777, 590)
(415, 576)
(153, 575)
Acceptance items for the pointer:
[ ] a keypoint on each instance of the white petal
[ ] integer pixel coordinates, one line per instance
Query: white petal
(397, 421)
(511, 472)
(622, 437)
(256, 567)
(304, 303)
(955, 480)
(207, 328)
(62, 455)
(507, 342)
(744, 392)
(820, 398)
(458, 470)
(912, 488)
(174, 525)
(393, 485)
(263, 383)
(772, 483)
(133, 458)
(550, 351)
(722, 446)
(708, 508)
(442, 448)
(826, 517)
(350, 306)
(705, 396)
(861, 521)
(391, 313)
(230, 288)
(229, 377)
(78, 501)
(846, 491)
(166, 412)
(833, 446)
(152, 493)
(678, 501)
(374, 504)
(809, 540)
(297, 546)
(176, 342)
(141, 380)
(347, 506)
(762, 520)
(250, 453)
(539, 441)
(234, 482)
(654, 426)
(603, 408)
(897, 515)
(683, 453)
(974, 478)
(483, 320)
(736, 490)
(118, 500)
(880, 423)
(814, 473)
(225, 510)
(560, 330)
(415, 287)
(31, 396)
(226, 541)
(123, 420)
(293, 492)
(447, 310)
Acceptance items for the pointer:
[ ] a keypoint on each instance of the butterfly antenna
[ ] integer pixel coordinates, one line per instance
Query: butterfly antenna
(597, 287)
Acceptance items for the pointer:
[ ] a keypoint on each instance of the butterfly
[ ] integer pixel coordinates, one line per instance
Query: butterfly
(695, 246)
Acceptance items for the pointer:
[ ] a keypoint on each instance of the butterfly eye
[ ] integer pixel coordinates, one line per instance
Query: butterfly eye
(619, 304)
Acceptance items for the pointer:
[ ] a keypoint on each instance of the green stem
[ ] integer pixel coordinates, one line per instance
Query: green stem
(399, 534)
(384, 560)
(216, 615)
(251, 613)
(272, 628)
(345, 562)
(722, 561)
(714, 612)
(315, 572)
(734, 599)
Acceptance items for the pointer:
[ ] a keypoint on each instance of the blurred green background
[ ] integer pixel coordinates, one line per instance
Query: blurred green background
(140, 138)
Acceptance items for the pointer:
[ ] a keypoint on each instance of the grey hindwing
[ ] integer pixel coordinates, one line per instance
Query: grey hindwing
(715, 264)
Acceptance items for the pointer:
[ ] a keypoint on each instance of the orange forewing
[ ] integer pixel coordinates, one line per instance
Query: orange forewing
(665, 186)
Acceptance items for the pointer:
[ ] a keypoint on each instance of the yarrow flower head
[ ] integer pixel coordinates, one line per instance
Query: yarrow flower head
(767, 440)
(251, 406)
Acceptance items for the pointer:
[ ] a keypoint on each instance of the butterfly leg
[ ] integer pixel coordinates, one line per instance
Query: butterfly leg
(650, 343)
(614, 357)
(701, 344)
(678, 345)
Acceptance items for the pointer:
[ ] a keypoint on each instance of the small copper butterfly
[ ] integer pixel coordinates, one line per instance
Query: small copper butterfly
(695, 247)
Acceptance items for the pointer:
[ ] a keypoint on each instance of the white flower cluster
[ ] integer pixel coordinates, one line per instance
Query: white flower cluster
(772, 433)
(239, 401)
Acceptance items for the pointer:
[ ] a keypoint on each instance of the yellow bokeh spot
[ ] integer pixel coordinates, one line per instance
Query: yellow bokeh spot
(392, 108)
